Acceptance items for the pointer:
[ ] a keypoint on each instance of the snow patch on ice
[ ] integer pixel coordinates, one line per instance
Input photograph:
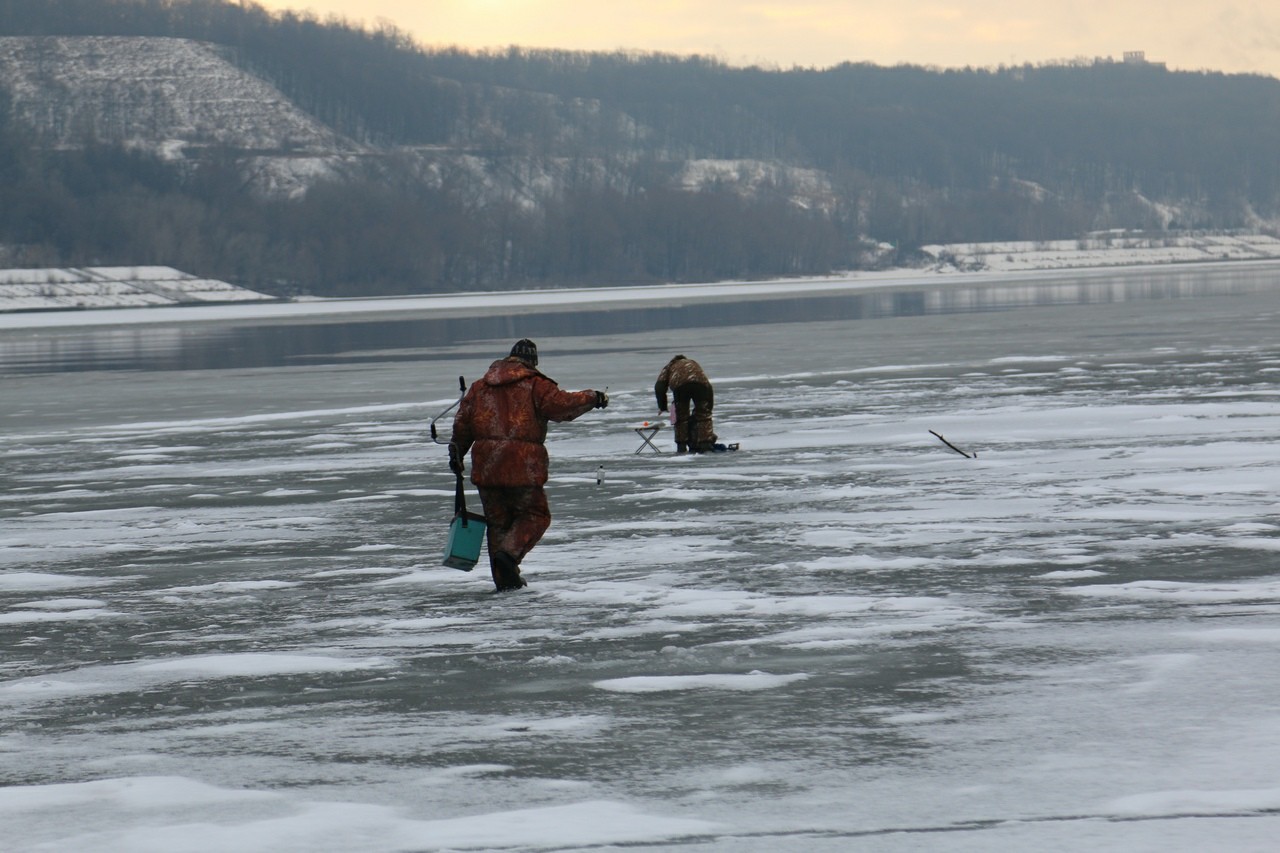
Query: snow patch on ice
(40, 581)
(66, 604)
(130, 677)
(1069, 574)
(754, 680)
(1266, 636)
(18, 617)
(257, 664)
(158, 814)
(1182, 592)
(1197, 802)
(228, 586)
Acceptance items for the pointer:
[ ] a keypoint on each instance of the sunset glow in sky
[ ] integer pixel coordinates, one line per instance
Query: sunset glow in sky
(1225, 35)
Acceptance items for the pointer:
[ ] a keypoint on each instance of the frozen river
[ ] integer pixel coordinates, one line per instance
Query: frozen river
(225, 627)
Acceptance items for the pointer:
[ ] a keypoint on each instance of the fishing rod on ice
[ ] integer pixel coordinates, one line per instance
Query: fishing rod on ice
(462, 386)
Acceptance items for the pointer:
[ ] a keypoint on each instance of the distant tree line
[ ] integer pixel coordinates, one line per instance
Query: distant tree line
(913, 156)
(380, 234)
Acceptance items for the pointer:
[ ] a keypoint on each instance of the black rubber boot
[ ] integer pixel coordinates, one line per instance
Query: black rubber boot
(506, 572)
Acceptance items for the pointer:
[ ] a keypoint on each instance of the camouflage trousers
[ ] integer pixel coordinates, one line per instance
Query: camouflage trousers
(693, 404)
(516, 518)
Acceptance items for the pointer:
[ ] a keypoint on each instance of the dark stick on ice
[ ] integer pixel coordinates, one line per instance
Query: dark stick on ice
(953, 447)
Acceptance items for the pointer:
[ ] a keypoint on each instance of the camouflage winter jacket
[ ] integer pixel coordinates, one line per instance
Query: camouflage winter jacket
(679, 371)
(502, 420)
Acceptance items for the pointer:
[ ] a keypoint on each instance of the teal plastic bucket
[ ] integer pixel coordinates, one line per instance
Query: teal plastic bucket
(466, 537)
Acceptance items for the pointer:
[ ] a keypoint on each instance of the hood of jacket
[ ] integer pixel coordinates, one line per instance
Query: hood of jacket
(508, 371)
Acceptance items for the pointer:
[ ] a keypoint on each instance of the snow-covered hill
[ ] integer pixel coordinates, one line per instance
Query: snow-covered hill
(152, 92)
(170, 96)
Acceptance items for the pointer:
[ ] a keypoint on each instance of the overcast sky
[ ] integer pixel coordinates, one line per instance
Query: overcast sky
(1219, 35)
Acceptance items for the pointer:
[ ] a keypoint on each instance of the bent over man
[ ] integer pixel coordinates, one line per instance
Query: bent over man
(689, 387)
(502, 420)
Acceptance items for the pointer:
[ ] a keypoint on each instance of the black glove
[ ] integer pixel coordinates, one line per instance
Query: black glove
(602, 400)
(455, 461)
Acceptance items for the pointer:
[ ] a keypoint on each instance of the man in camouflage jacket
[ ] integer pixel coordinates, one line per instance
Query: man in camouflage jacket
(689, 387)
(502, 420)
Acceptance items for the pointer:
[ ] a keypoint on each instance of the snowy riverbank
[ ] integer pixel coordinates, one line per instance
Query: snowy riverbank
(77, 288)
(1103, 250)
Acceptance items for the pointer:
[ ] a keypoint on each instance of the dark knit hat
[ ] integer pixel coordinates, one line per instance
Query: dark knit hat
(526, 350)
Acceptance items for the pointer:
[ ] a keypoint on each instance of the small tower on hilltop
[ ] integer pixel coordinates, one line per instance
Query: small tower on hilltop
(1138, 58)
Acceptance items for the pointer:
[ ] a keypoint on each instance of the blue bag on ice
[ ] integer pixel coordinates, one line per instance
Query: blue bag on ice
(466, 534)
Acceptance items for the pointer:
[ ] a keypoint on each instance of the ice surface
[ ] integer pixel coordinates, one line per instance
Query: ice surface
(226, 626)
